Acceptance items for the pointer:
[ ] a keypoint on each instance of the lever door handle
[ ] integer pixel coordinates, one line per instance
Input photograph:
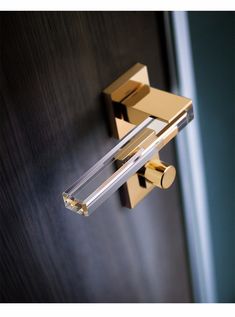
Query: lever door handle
(145, 119)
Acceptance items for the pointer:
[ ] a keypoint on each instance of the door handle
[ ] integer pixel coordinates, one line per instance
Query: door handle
(145, 119)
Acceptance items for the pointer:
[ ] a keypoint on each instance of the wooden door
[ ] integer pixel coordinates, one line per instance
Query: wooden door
(53, 125)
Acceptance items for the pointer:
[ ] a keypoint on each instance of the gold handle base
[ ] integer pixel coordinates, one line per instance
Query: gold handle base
(130, 100)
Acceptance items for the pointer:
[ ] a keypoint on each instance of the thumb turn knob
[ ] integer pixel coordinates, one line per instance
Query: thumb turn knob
(159, 173)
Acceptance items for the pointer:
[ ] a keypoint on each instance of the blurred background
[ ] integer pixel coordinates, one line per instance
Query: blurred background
(212, 37)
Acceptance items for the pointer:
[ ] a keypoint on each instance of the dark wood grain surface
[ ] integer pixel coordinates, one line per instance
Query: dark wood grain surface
(53, 127)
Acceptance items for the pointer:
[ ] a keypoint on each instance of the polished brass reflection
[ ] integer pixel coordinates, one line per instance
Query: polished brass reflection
(159, 173)
(130, 100)
(145, 119)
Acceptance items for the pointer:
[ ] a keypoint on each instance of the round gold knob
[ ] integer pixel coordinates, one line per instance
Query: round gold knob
(159, 173)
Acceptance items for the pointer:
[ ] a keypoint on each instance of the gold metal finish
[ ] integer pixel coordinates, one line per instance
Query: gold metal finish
(130, 100)
(133, 192)
(159, 173)
(120, 89)
(136, 189)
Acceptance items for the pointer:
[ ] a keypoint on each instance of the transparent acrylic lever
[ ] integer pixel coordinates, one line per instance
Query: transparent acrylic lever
(123, 161)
